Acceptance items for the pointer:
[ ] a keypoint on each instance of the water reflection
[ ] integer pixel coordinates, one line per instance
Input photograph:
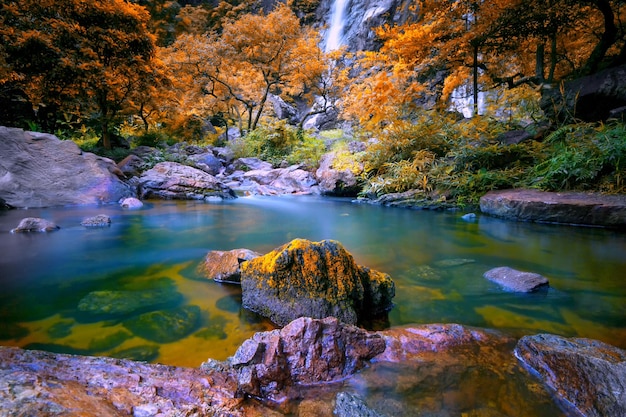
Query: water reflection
(436, 259)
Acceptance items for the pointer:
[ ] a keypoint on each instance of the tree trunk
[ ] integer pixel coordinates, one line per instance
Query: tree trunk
(553, 57)
(475, 81)
(539, 61)
(608, 38)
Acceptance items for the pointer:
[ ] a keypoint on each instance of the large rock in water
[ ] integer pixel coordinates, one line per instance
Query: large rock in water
(40, 170)
(306, 351)
(566, 207)
(517, 281)
(588, 374)
(313, 279)
(174, 181)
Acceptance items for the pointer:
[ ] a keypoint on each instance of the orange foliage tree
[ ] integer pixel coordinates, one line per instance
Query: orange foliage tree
(235, 71)
(76, 57)
(486, 44)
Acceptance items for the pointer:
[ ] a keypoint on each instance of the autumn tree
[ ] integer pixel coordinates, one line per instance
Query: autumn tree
(76, 57)
(487, 44)
(235, 71)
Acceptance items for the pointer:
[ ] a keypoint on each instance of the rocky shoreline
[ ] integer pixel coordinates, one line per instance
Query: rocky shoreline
(311, 367)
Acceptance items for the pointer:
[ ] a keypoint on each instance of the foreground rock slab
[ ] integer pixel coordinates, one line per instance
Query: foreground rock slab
(517, 281)
(588, 374)
(314, 279)
(306, 351)
(35, 383)
(568, 207)
(40, 170)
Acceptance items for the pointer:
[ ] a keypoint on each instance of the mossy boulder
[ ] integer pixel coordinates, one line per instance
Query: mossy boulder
(127, 301)
(164, 326)
(314, 279)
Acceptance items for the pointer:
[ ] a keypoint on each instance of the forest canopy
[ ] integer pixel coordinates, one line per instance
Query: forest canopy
(154, 70)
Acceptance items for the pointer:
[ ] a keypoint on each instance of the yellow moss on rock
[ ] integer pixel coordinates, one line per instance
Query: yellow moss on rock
(319, 278)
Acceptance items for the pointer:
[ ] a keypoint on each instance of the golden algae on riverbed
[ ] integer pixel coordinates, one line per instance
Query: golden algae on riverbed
(501, 318)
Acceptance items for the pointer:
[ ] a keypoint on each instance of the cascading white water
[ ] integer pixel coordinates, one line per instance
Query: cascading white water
(334, 36)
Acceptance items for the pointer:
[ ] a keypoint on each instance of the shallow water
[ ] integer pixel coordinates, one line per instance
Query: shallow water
(436, 260)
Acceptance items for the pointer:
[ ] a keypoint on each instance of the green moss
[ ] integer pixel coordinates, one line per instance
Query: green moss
(108, 342)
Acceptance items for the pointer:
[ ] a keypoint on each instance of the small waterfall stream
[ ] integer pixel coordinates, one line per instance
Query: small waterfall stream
(334, 35)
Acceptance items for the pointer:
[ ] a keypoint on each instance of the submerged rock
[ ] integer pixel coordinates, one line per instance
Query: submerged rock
(517, 281)
(588, 374)
(124, 301)
(223, 266)
(306, 351)
(350, 405)
(101, 220)
(566, 207)
(165, 326)
(314, 279)
(35, 224)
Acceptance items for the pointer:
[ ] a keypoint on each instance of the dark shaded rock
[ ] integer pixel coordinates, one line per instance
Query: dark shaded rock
(514, 137)
(313, 279)
(170, 180)
(131, 166)
(131, 203)
(4, 205)
(43, 384)
(588, 374)
(350, 405)
(223, 266)
(165, 326)
(101, 220)
(306, 351)
(590, 98)
(39, 170)
(35, 224)
(567, 207)
(123, 302)
(335, 180)
(517, 281)
(12, 331)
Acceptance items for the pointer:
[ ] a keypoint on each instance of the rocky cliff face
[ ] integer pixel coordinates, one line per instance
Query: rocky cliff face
(357, 21)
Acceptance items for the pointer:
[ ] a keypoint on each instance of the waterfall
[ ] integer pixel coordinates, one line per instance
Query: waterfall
(334, 35)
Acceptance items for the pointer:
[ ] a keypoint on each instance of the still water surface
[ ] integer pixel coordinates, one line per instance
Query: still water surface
(436, 259)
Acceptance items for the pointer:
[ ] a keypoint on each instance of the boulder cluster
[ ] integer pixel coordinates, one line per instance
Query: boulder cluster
(40, 170)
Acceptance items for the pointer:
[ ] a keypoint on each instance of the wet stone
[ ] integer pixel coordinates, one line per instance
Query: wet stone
(516, 281)
(108, 342)
(101, 220)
